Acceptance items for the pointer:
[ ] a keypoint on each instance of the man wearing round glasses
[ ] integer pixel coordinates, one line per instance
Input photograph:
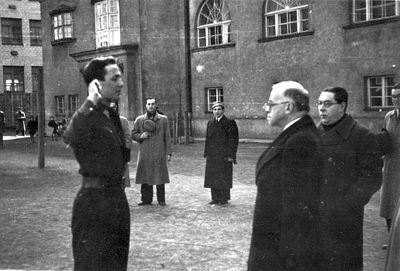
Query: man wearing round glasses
(286, 225)
(351, 175)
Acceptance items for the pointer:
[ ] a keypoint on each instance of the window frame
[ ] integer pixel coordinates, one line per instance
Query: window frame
(219, 96)
(386, 102)
(59, 105)
(35, 38)
(207, 35)
(14, 34)
(278, 14)
(106, 34)
(71, 103)
(62, 26)
(369, 11)
(17, 73)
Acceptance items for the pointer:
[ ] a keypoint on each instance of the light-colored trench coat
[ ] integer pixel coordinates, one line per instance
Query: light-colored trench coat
(391, 170)
(152, 157)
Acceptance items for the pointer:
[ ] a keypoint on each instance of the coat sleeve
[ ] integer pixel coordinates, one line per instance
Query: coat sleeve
(136, 130)
(233, 140)
(78, 130)
(167, 136)
(369, 164)
(206, 143)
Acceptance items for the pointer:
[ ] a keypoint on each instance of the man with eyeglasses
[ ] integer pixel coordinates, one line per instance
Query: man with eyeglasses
(391, 170)
(286, 226)
(351, 175)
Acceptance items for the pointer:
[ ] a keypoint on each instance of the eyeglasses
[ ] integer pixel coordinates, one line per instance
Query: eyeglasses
(326, 104)
(271, 104)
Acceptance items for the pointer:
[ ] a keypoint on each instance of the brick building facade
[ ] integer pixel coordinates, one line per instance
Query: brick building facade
(191, 53)
(21, 57)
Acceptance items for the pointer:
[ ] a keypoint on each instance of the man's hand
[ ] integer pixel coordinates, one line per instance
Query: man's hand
(94, 91)
(169, 157)
(229, 159)
(145, 135)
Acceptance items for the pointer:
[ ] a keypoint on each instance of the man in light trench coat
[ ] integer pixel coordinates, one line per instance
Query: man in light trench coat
(151, 131)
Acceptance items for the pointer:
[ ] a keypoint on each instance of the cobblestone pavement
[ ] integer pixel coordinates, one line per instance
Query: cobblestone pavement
(187, 234)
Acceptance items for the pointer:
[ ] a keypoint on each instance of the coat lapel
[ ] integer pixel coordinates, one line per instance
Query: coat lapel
(277, 144)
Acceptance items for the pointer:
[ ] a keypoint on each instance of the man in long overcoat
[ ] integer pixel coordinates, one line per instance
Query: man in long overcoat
(286, 225)
(20, 117)
(352, 174)
(151, 131)
(391, 170)
(222, 139)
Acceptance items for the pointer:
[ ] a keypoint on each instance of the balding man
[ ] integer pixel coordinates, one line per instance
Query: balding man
(286, 232)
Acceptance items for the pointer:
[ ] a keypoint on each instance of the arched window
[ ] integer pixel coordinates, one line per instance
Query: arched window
(284, 17)
(213, 23)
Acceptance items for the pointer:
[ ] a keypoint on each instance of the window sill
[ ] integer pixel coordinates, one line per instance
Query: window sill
(372, 22)
(288, 36)
(214, 47)
(378, 109)
(62, 41)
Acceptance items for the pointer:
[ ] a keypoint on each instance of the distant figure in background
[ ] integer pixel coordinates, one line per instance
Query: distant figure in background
(222, 140)
(20, 117)
(53, 124)
(32, 128)
(391, 170)
(128, 142)
(2, 128)
(151, 131)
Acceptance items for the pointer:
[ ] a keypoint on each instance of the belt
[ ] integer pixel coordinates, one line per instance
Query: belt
(100, 182)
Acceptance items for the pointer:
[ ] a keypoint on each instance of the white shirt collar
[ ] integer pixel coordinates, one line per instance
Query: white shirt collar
(291, 123)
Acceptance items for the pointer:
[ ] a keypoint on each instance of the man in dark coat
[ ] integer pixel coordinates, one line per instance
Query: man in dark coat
(100, 214)
(286, 225)
(222, 139)
(2, 128)
(352, 174)
(20, 117)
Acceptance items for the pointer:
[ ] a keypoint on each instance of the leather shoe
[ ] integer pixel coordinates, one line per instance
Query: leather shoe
(385, 246)
(162, 203)
(223, 202)
(144, 203)
(213, 202)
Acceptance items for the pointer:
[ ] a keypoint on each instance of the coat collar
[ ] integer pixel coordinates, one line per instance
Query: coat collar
(156, 116)
(275, 147)
(342, 129)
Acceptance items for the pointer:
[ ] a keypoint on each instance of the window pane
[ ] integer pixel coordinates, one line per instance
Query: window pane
(376, 101)
(292, 16)
(360, 4)
(283, 29)
(293, 28)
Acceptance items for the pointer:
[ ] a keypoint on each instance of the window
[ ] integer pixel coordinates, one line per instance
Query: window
(214, 95)
(213, 25)
(284, 17)
(107, 23)
(35, 30)
(60, 105)
(62, 26)
(13, 78)
(11, 31)
(367, 10)
(379, 90)
(73, 102)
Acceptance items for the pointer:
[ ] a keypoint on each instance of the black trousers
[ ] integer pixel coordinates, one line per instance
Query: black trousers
(220, 195)
(100, 229)
(147, 193)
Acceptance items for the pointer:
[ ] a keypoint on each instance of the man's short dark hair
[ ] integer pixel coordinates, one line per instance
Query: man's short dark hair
(95, 69)
(299, 97)
(397, 86)
(340, 94)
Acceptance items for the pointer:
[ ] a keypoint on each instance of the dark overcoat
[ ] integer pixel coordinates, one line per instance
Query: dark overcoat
(286, 225)
(222, 141)
(352, 174)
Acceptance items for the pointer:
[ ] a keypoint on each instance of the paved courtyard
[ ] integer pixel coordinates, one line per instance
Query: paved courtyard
(187, 234)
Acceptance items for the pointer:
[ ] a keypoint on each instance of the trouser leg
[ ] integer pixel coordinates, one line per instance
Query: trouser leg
(225, 194)
(161, 192)
(147, 193)
(1, 140)
(214, 194)
(388, 223)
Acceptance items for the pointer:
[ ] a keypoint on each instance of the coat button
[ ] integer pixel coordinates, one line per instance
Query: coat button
(330, 159)
(325, 181)
(322, 203)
